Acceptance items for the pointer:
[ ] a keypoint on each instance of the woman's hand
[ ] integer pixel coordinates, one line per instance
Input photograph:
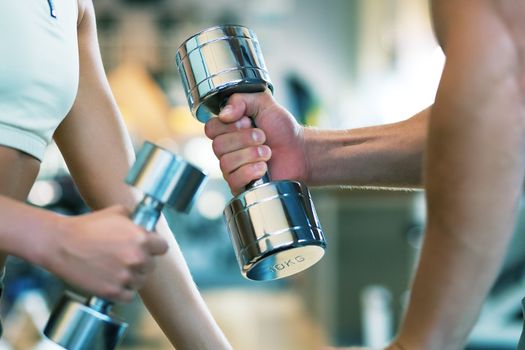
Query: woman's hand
(103, 253)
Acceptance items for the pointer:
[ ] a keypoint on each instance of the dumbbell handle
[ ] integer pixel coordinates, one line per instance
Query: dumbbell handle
(263, 180)
(146, 215)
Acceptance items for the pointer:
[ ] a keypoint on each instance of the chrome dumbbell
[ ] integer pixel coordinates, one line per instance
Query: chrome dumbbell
(166, 180)
(273, 224)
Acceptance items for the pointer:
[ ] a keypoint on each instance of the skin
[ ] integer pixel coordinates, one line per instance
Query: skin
(467, 151)
(103, 253)
(75, 248)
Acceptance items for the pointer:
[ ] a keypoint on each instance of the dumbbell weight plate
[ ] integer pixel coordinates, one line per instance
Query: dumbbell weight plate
(275, 230)
(76, 326)
(218, 62)
(166, 177)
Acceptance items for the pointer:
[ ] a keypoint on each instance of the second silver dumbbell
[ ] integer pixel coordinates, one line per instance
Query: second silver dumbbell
(166, 180)
(273, 224)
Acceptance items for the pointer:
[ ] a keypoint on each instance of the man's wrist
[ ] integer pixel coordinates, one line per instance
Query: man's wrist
(307, 135)
(316, 147)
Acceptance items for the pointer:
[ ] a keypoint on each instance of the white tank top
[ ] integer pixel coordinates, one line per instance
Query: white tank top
(38, 71)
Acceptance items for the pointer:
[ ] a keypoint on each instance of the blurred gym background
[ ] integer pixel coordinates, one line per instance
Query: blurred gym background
(335, 64)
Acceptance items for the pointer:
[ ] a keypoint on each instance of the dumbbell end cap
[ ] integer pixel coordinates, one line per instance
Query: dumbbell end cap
(284, 263)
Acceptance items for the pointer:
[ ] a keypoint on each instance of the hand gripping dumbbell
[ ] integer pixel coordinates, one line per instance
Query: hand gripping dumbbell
(273, 224)
(166, 180)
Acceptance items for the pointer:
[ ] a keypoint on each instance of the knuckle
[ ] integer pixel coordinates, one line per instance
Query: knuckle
(255, 152)
(248, 172)
(216, 147)
(266, 97)
(235, 189)
(208, 128)
(241, 177)
(259, 169)
(234, 99)
(214, 128)
(224, 164)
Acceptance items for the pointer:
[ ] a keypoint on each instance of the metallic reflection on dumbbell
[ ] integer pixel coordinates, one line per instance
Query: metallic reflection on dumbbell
(273, 224)
(165, 180)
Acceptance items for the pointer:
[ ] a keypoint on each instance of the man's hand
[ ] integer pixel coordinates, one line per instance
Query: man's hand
(244, 150)
(103, 253)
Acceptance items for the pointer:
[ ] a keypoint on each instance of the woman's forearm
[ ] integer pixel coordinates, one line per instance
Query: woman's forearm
(176, 304)
(379, 156)
(170, 294)
(25, 230)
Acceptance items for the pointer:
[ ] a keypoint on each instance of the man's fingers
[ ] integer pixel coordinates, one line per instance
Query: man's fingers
(237, 179)
(235, 141)
(244, 105)
(230, 162)
(215, 127)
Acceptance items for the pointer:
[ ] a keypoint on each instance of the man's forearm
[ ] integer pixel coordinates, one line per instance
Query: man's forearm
(474, 171)
(378, 156)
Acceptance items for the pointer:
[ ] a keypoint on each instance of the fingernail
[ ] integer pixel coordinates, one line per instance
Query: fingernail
(257, 136)
(263, 151)
(243, 123)
(239, 124)
(226, 110)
